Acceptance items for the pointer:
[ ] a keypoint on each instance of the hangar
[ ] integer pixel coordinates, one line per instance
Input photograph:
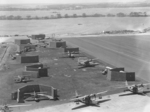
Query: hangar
(35, 71)
(20, 96)
(28, 59)
(118, 74)
(57, 44)
(38, 37)
(22, 41)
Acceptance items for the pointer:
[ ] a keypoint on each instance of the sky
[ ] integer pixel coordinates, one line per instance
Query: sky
(62, 1)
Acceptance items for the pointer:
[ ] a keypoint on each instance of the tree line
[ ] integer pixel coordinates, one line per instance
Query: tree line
(58, 16)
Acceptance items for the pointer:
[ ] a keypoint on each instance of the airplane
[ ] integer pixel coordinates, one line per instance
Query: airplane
(37, 96)
(89, 100)
(22, 79)
(6, 108)
(135, 89)
(87, 62)
(70, 55)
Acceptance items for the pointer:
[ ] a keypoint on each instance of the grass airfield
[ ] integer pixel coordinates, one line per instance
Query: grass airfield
(63, 75)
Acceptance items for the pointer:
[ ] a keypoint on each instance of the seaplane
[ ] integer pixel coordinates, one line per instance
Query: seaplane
(37, 96)
(135, 89)
(87, 62)
(6, 107)
(89, 100)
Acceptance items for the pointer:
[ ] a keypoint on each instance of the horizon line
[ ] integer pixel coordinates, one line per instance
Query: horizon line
(70, 3)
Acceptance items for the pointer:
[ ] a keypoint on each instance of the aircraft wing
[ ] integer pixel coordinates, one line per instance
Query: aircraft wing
(32, 93)
(144, 84)
(44, 95)
(100, 93)
(80, 98)
(29, 93)
(77, 99)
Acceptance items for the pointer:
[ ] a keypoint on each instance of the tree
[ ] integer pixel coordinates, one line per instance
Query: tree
(10, 17)
(134, 14)
(96, 15)
(36, 17)
(110, 15)
(28, 17)
(75, 15)
(84, 15)
(145, 14)
(66, 16)
(120, 14)
(52, 17)
(46, 17)
(59, 16)
(18, 17)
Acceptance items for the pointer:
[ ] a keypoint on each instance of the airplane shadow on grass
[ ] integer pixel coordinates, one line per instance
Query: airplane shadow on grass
(94, 105)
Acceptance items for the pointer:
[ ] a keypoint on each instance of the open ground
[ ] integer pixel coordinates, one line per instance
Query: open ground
(63, 73)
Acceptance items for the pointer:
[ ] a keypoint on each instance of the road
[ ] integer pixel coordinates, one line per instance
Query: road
(131, 52)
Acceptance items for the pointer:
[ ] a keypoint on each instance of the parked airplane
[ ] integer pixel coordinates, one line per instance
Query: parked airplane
(87, 63)
(6, 108)
(135, 89)
(37, 96)
(22, 79)
(89, 100)
(71, 54)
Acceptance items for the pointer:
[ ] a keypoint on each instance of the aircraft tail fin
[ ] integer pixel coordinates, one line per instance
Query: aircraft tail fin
(126, 83)
(76, 95)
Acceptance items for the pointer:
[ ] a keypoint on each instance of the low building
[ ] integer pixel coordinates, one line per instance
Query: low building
(38, 37)
(27, 59)
(35, 71)
(118, 74)
(22, 41)
(57, 44)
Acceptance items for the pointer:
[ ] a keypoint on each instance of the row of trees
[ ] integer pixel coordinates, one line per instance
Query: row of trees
(58, 16)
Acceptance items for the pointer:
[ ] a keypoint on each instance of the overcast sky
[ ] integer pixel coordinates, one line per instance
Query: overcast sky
(62, 1)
